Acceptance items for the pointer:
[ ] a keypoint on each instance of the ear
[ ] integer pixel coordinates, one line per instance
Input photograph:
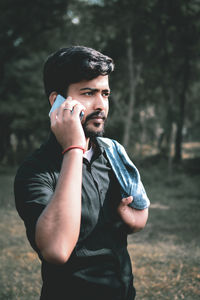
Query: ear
(52, 97)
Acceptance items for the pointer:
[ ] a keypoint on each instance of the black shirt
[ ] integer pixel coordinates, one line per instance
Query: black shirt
(100, 266)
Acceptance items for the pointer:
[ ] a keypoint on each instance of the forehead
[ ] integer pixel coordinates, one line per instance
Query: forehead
(100, 82)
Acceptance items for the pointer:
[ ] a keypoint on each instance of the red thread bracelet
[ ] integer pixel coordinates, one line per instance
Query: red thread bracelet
(73, 147)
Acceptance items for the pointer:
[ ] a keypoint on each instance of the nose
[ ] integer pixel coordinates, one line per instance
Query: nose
(100, 103)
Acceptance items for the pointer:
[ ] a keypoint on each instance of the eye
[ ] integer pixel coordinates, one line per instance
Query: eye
(106, 94)
(88, 93)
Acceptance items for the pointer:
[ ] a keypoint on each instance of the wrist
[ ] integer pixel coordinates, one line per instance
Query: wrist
(73, 147)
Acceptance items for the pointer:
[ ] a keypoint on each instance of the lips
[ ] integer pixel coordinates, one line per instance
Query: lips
(96, 120)
(96, 116)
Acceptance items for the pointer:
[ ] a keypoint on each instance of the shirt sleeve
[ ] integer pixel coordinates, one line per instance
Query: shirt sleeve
(33, 189)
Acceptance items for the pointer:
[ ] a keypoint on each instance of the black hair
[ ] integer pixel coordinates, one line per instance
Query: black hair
(74, 64)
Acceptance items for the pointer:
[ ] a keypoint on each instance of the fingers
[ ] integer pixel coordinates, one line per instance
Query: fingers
(126, 201)
(69, 108)
(124, 205)
(66, 107)
(77, 109)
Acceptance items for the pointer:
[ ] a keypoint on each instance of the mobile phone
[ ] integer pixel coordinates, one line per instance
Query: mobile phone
(59, 100)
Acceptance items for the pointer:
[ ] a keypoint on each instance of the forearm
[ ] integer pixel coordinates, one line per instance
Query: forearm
(58, 227)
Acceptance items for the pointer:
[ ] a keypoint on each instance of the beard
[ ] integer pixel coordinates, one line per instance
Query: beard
(95, 132)
(91, 133)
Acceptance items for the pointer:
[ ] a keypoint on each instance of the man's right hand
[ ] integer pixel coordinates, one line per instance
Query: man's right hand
(66, 124)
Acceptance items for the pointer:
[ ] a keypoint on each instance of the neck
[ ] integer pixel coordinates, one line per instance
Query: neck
(87, 144)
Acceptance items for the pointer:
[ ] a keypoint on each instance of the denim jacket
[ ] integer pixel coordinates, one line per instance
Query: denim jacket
(126, 173)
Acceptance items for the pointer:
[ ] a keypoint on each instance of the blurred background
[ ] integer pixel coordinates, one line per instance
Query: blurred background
(154, 113)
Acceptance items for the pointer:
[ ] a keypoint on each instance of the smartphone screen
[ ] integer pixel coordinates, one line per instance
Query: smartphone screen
(59, 100)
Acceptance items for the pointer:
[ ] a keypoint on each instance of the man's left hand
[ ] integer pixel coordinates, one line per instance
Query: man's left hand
(135, 219)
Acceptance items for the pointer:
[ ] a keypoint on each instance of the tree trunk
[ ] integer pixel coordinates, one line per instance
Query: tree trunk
(4, 137)
(165, 138)
(181, 117)
(171, 150)
(130, 107)
(179, 133)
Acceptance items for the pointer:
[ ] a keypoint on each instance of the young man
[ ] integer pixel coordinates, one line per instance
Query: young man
(69, 195)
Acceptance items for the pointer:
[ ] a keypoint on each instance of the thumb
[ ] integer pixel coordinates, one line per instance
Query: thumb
(127, 200)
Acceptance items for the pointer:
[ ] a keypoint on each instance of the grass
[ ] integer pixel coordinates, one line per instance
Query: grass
(20, 267)
(165, 255)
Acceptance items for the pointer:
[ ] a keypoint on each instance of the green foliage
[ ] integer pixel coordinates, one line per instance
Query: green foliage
(165, 46)
(24, 30)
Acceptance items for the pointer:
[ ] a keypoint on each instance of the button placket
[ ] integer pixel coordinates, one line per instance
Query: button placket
(97, 184)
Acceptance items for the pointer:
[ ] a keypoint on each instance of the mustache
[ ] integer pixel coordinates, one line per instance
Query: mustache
(99, 114)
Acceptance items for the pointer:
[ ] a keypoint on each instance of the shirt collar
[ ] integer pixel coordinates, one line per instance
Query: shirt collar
(55, 150)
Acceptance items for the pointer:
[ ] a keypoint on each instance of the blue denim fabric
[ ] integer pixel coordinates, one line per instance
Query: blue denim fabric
(126, 173)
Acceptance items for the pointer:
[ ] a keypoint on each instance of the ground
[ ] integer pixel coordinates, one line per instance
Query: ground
(165, 255)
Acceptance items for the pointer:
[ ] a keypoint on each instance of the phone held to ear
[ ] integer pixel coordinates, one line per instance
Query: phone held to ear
(59, 100)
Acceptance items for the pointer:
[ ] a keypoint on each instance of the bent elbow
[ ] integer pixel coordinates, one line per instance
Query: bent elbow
(55, 256)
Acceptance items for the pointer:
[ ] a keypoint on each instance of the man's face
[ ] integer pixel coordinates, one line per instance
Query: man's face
(93, 94)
